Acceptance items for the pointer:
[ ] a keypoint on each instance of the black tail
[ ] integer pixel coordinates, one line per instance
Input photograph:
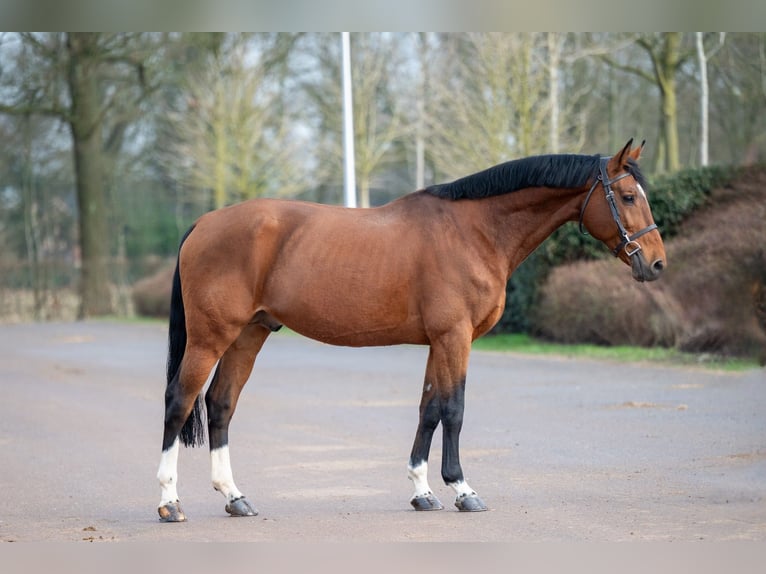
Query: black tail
(193, 431)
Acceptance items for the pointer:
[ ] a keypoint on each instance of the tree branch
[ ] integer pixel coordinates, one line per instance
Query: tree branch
(34, 109)
(629, 69)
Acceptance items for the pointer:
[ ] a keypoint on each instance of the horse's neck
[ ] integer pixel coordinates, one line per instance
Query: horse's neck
(521, 220)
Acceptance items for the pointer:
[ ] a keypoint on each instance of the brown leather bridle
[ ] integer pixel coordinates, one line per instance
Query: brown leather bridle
(629, 243)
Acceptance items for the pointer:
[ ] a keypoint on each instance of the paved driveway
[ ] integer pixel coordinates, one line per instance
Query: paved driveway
(560, 449)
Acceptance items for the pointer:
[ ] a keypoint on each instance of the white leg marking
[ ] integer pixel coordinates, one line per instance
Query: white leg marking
(223, 480)
(168, 474)
(419, 475)
(461, 488)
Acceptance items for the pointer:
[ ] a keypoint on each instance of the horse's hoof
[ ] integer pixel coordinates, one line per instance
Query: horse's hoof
(171, 512)
(470, 503)
(240, 507)
(426, 502)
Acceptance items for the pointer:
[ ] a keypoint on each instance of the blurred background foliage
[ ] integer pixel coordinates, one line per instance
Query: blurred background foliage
(112, 144)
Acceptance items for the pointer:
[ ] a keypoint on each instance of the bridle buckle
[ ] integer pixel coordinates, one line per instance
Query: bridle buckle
(630, 252)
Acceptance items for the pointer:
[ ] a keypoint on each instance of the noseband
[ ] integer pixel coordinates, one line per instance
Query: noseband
(628, 242)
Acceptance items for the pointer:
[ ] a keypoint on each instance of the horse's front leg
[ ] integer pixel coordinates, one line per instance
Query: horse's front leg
(417, 468)
(443, 401)
(452, 422)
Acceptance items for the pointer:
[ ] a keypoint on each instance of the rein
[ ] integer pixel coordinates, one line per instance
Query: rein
(629, 243)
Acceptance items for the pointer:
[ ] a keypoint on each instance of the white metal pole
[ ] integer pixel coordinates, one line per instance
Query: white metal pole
(349, 179)
(702, 57)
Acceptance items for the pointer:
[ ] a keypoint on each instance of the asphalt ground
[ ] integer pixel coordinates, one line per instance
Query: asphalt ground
(560, 449)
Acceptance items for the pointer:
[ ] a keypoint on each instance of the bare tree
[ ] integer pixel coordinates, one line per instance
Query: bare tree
(36, 219)
(504, 95)
(85, 117)
(490, 102)
(82, 79)
(471, 121)
(232, 136)
(666, 55)
(555, 43)
(737, 83)
(570, 87)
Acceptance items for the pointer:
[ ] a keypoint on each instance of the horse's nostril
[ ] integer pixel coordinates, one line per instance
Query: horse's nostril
(658, 265)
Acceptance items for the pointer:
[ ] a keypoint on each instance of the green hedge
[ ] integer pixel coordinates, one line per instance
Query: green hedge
(673, 198)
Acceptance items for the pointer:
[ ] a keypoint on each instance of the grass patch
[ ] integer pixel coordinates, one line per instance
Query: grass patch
(519, 343)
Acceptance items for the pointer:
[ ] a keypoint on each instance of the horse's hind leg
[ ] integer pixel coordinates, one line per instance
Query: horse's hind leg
(230, 377)
(179, 401)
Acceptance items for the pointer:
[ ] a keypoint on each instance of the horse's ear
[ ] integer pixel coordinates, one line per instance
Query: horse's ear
(620, 159)
(635, 153)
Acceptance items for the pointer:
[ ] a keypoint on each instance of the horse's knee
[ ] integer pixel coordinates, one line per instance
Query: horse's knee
(452, 408)
(452, 417)
(430, 414)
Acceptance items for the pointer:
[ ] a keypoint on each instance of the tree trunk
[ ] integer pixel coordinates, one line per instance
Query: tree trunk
(669, 109)
(525, 103)
(85, 124)
(364, 191)
(665, 53)
(554, 57)
(219, 171)
(614, 115)
(31, 223)
(670, 125)
(660, 163)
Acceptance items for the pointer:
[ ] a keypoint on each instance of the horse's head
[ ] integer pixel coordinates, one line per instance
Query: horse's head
(619, 215)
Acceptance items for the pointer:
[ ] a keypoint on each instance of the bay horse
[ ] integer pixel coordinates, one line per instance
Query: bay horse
(429, 268)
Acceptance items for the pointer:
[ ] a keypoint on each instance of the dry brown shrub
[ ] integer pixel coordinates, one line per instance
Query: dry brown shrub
(151, 295)
(598, 302)
(721, 269)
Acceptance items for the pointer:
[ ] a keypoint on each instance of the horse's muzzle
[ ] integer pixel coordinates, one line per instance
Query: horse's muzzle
(643, 271)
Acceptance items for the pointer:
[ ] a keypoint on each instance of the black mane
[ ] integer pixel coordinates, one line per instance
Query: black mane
(560, 170)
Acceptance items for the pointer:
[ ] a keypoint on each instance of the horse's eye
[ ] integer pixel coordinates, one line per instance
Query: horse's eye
(629, 199)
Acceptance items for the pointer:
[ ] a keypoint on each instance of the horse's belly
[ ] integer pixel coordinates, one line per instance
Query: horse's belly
(340, 335)
(348, 313)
